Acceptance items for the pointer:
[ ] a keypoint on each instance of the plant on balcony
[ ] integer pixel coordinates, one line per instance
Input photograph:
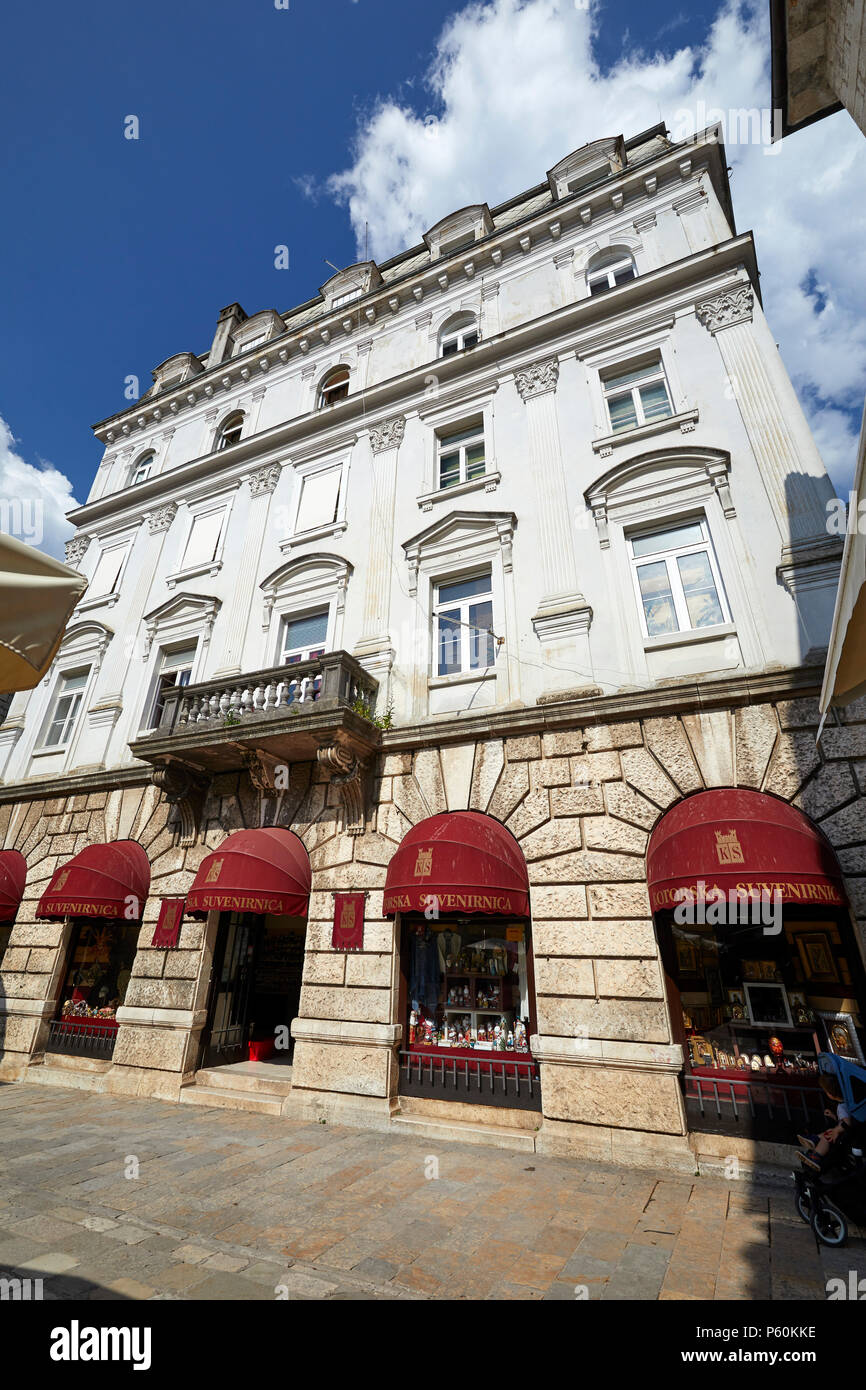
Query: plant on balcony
(363, 706)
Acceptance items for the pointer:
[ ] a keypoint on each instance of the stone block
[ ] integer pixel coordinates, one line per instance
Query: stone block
(349, 1068)
(711, 736)
(428, 775)
(799, 714)
(623, 1020)
(15, 958)
(486, 771)
(795, 757)
(22, 985)
(576, 801)
(510, 791)
(18, 1032)
(163, 1049)
(149, 963)
(191, 936)
(642, 772)
(182, 965)
(587, 866)
(595, 768)
(619, 1097)
(457, 763)
(755, 730)
(593, 938)
(549, 772)
(351, 1005)
(408, 799)
(533, 811)
(554, 837)
(606, 832)
(363, 968)
(854, 713)
(601, 737)
(556, 975)
(372, 848)
(619, 900)
(558, 903)
(396, 764)
(629, 805)
(324, 967)
(666, 740)
(564, 742)
(160, 994)
(847, 742)
(41, 962)
(520, 749)
(848, 826)
(832, 785)
(629, 979)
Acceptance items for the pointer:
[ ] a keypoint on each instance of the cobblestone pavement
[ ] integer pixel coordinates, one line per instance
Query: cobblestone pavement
(108, 1197)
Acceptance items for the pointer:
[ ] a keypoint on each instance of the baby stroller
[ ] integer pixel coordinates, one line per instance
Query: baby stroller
(835, 1197)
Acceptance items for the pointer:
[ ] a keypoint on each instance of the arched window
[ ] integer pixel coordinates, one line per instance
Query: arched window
(230, 430)
(141, 469)
(458, 333)
(334, 388)
(607, 271)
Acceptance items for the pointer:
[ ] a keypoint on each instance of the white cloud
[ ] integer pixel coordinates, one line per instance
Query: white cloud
(515, 84)
(33, 500)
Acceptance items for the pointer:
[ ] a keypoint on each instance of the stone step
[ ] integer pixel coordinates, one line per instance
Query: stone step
(49, 1074)
(216, 1098)
(462, 1132)
(276, 1081)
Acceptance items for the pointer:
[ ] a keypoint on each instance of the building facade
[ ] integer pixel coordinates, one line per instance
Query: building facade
(465, 589)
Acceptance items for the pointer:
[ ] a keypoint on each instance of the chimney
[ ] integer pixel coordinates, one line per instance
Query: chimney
(230, 318)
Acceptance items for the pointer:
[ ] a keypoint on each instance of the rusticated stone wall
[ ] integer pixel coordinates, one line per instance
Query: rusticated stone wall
(581, 801)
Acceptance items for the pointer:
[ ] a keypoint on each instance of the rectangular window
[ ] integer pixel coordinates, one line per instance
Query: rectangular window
(204, 538)
(320, 497)
(107, 572)
(637, 397)
(463, 611)
(175, 669)
(461, 456)
(64, 708)
(340, 299)
(679, 588)
(305, 638)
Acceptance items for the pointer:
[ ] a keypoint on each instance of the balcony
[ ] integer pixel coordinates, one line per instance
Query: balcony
(313, 710)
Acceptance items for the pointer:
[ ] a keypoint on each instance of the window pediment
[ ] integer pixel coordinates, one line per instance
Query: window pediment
(186, 612)
(641, 486)
(457, 532)
(310, 579)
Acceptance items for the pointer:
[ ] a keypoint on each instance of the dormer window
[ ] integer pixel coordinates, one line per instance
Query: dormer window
(340, 299)
(334, 388)
(249, 343)
(457, 334)
(350, 284)
(607, 272)
(230, 430)
(585, 168)
(459, 231)
(141, 470)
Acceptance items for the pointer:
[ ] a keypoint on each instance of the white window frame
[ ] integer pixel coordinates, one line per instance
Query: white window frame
(72, 717)
(142, 470)
(605, 271)
(654, 373)
(475, 437)
(303, 471)
(110, 597)
(221, 442)
(223, 504)
(347, 297)
(458, 336)
(670, 556)
(440, 606)
(246, 344)
(303, 653)
(323, 401)
(151, 721)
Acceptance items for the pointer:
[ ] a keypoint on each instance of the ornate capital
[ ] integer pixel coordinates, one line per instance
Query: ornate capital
(76, 549)
(538, 379)
(161, 519)
(388, 435)
(264, 479)
(735, 306)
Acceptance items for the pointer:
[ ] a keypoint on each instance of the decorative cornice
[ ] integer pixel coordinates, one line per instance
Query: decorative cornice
(264, 479)
(76, 549)
(388, 435)
(734, 306)
(161, 519)
(538, 379)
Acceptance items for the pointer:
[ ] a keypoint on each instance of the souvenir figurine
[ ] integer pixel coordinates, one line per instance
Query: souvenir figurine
(756, 1063)
(482, 1033)
(413, 1025)
(768, 1061)
(509, 1043)
(428, 1033)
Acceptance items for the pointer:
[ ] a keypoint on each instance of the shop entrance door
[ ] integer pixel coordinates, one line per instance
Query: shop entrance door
(226, 1031)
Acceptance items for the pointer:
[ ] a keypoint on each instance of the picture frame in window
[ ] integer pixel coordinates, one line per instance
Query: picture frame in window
(816, 954)
(688, 957)
(842, 1036)
(768, 1004)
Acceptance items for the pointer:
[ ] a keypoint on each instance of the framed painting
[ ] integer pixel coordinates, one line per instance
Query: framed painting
(816, 953)
(842, 1036)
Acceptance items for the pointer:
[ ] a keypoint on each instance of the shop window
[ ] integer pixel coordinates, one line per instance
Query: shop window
(463, 614)
(637, 396)
(334, 388)
(64, 709)
(677, 580)
(304, 638)
(175, 670)
(99, 967)
(609, 271)
(230, 430)
(461, 456)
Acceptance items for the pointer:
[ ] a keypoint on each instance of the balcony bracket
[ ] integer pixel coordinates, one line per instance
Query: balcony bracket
(264, 770)
(349, 774)
(185, 788)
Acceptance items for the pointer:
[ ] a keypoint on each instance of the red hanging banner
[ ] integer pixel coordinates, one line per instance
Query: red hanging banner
(169, 923)
(348, 933)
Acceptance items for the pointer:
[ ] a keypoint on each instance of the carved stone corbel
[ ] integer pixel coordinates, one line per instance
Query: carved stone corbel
(186, 789)
(262, 769)
(347, 773)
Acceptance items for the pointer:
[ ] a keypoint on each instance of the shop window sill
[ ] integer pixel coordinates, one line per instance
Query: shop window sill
(685, 421)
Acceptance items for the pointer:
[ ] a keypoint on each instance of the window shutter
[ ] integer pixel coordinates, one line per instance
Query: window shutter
(203, 539)
(319, 497)
(107, 572)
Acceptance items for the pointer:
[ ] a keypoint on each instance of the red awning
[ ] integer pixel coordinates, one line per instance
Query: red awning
(745, 841)
(465, 860)
(13, 874)
(110, 880)
(260, 871)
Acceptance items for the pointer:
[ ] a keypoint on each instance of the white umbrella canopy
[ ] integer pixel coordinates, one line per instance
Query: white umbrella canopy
(37, 597)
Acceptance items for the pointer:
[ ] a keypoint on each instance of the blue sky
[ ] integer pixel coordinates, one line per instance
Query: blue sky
(117, 253)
